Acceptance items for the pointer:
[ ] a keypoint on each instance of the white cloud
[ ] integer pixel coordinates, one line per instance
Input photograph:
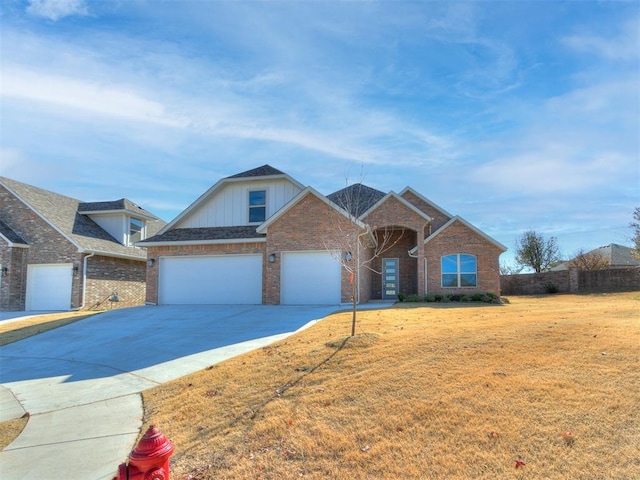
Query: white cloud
(623, 45)
(57, 9)
(91, 96)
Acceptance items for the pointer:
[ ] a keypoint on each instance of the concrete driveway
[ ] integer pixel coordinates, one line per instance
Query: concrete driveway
(81, 383)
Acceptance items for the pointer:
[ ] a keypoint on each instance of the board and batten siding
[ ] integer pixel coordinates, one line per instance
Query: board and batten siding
(230, 206)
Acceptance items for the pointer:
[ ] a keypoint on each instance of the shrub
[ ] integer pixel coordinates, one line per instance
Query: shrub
(431, 298)
(446, 298)
(477, 297)
(550, 287)
(414, 298)
(438, 297)
(464, 298)
(401, 297)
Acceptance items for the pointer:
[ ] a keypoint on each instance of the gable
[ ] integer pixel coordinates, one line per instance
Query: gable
(439, 215)
(229, 204)
(393, 210)
(460, 230)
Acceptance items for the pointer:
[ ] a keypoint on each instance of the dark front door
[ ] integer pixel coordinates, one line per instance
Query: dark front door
(390, 279)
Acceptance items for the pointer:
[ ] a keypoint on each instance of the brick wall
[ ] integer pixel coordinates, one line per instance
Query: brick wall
(439, 218)
(188, 250)
(12, 289)
(458, 238)
(573, 281)
(106, 275)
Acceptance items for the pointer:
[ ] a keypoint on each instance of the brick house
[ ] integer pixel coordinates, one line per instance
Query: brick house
(260, 237)
(58, 253)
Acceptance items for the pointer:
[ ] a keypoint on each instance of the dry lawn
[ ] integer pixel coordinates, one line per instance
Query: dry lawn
(424, 392)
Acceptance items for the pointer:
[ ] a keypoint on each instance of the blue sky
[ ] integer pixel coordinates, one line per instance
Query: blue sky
(514, 115)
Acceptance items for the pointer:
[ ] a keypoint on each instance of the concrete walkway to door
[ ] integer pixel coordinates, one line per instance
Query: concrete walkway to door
(81, 383)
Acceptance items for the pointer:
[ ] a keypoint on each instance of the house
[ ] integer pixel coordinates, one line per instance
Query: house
(58, 253)
(608, 256)
(261, 237)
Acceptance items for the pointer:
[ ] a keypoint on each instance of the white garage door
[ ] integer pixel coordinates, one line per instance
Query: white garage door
(309, 278)
(49, 287)
(220, 279)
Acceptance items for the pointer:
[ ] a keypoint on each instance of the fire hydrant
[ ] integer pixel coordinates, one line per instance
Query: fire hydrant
(150, 459)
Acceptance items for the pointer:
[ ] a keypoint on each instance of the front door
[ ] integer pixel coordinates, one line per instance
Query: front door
(390, 279)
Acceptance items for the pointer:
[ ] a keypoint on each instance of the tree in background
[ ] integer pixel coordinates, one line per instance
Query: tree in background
(593, 260)
(536, 252)
(636, 232)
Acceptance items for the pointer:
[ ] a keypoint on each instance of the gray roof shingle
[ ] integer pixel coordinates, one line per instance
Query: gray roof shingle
(207, 233)
(10, 235)
(357, 198)
(263, 171)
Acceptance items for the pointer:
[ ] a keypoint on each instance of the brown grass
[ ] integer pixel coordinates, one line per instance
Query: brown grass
(20, 329)
(428, 392)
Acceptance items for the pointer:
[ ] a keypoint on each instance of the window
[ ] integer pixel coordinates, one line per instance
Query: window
(459, 270)
(257, 206)
(136, 230)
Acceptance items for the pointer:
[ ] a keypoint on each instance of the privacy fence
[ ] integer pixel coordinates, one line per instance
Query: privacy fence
(625, 279)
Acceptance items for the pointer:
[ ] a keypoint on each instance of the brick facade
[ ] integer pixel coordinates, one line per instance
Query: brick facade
(458, 238)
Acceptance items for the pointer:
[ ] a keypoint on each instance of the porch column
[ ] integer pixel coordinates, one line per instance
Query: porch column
(420, 259)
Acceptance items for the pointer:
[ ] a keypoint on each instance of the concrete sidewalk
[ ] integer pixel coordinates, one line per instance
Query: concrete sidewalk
(81, 383)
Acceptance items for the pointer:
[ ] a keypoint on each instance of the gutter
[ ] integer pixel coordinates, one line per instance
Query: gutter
(84, 281)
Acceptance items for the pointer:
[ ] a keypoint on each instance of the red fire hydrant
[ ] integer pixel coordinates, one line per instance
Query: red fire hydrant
(150, 459)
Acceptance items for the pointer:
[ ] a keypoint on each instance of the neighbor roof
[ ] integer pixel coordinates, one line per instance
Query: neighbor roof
(122, 205)
(617, 255)
(61, 213)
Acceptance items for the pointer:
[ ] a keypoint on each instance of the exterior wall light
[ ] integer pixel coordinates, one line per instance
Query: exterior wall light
(151, 262)
(75, 270)
(5, 271)
(272, 258)
(347, 256)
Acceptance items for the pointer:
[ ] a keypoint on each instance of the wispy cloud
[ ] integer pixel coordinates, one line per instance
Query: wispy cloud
(57, 9)
(623, 44)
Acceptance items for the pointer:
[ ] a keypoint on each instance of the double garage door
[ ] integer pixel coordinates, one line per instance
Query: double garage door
(307, 278)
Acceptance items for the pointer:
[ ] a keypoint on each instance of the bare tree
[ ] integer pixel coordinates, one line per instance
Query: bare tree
(636, 232)
(355, 244)
(593, 260)
(536, 252)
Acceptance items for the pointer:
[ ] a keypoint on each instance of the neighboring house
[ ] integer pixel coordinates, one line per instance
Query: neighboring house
(260, 237)
(613, 255)
(57, 253)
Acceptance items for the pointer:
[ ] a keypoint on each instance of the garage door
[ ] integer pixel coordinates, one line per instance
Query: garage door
(221, 279)
(49, 287)
(310, 278)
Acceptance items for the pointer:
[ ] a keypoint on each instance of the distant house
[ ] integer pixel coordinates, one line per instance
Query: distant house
(58, 253)
(613, 255)
(261, 237)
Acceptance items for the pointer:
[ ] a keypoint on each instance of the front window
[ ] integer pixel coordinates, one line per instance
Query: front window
(136, 230)
(257, 206)
(459, 270)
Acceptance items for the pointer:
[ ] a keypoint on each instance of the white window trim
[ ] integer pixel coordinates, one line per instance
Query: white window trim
(249, 206)
(458, 272)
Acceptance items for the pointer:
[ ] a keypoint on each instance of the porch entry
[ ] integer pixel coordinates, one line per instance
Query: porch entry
(390, 278)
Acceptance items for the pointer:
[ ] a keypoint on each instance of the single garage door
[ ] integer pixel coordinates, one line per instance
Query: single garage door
(309, 278)
(49, 287)
(216, 279)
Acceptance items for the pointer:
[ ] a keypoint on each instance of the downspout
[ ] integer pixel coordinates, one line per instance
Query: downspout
(84, 281)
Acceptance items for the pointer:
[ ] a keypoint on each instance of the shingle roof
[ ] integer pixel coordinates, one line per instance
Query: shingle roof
(10, 235)
(263, 171)
(617, 255)
(62, 212)
(356, 198)
(123, 204)
(206, 233)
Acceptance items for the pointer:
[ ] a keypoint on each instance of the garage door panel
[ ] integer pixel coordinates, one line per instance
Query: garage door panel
(310, 278)
(228, 279)
(49, 287)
